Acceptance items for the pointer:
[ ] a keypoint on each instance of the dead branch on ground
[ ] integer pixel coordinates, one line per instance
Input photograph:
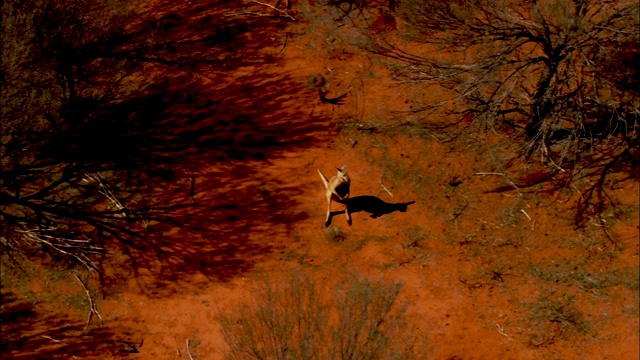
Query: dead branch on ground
(78, 249)
(188, 351)
(282, 13)
(94, 308)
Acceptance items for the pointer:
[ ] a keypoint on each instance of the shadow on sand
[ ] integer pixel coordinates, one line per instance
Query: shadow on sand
(28, 332)
(185, 151)
(372, 205)
(193, 143)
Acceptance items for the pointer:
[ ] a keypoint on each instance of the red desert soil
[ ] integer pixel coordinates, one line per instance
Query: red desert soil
(465, 253)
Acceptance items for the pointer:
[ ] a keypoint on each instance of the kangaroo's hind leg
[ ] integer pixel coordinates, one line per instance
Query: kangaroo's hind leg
(327, 220)
(346, 210)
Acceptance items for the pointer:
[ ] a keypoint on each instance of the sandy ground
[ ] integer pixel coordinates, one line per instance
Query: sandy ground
(475, 262)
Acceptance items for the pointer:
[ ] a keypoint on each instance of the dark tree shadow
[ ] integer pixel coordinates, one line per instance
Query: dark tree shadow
(184, 150)
(29, 334)
(196, 141)
(193, 156)
(372, 205)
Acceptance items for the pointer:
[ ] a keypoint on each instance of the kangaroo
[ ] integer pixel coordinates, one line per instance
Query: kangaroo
(337, 189)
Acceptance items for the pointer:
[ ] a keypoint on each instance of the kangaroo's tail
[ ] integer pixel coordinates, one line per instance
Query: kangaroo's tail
(324, 179)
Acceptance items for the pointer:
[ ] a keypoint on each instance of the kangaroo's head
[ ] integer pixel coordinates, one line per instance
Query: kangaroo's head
(342, 174)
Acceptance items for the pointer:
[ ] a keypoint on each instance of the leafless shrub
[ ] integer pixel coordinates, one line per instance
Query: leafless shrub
(559, 77)
(298, 319)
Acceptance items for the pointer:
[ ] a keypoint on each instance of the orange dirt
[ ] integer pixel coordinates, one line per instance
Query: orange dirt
(466, 253)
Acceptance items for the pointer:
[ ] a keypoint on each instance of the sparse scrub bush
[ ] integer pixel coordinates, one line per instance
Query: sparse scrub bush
(400, 172)
(297, 318)
(414, 236)
(551, 320)
(512, 215)
(338, 237)
(316, 82)
(377, 238)
(494, 269)
(571, 273)
(335, 235)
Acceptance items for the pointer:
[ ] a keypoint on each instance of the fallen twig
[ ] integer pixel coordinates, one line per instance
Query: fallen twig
(490, 173)
(251, 13)
(188, 351)
(578, 191)
(106, 191)
(94, 308)
(284, 43)
(603, 224)
(545, 152)
(274, 8)
(501, 331)
(500, 174)
(384, 187)
(459, 212)
(78, 249)
(52, 339)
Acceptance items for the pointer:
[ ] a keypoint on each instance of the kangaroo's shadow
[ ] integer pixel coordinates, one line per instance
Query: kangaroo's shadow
(371, 204)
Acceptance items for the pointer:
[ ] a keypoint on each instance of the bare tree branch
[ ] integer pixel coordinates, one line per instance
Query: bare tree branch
(561, 77)
(93, 309)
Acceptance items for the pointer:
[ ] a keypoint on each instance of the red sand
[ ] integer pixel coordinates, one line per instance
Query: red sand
(467, 277)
